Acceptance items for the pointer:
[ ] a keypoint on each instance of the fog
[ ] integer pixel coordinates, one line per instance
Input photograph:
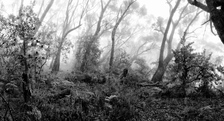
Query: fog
(142, 28)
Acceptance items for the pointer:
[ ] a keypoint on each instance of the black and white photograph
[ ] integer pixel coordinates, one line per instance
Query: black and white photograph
(111, 60)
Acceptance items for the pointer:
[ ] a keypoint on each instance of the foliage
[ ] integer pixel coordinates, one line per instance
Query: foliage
(90, 95)
(15, 30)
(121, 60)
(143, 69)
(190, 68)
(90, 61)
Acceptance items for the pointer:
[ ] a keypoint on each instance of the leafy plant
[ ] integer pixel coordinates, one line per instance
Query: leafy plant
(190, 67)
(86, 62)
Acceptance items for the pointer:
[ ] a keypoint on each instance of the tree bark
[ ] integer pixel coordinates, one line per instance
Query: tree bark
(216, 16)
(56, 64)
(158, 76)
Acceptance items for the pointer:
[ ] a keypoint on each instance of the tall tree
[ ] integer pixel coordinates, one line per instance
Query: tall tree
(163, 62)
(216, 10)
(23, 35)
(94, 37)
(123, 14)
(161, 69)
(66, 29)
(44, 14)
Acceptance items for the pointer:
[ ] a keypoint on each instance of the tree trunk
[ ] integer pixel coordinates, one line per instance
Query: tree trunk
(216, 16)
(26, 81)
(112, 53)
(158, 76)
(114, 33)
(95, 37)
(43, 15)
(85, 60)
(56, 64)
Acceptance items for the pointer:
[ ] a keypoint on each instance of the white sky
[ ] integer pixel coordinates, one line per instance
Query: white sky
(156, 7)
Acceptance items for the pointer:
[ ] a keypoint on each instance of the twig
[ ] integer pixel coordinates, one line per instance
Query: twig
(10, 110)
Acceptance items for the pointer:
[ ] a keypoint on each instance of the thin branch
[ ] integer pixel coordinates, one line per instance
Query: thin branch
(100, 18)
(70, 31)
(183, 39)
(141, 46)
(166, 33)
(159, 30)
(8, 105)
(42, 4)
(133, 33)
(148, 49)
(44, 14)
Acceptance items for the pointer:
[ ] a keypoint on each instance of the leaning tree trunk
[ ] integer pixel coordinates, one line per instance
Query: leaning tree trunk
(158, 76)
(114, 33)
(216, 15)
(112, 52)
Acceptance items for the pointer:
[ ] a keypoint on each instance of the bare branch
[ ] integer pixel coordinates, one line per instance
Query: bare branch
(147, 49)
(121, 18)
(100, 18)
(71, 31)
(166, 33)
(199, 5)
(170, 5)
(68, 22)
(183, 39)
(44, 14)
(42, 4)
(160, 30)
(46, 10)
(212, 29)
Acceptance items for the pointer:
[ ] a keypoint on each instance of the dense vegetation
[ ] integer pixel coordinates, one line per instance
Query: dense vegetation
(184, 85)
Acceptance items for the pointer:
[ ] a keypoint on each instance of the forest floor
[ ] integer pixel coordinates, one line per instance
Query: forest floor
(87, 103)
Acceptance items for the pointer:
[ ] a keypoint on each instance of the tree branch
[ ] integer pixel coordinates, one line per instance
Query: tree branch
(44, 14)
(199, 5)
(71, 31)
(42, 4)
(101, 17)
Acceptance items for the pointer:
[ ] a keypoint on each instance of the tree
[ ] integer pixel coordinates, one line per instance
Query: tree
(93, 39)
(40, 21)
(92, 63)
(163, 62)
(23, 28)
(44, 14)
(161, 69)
(18, 44)
(190, 67)
(216, 14)
(114, 31)
(66, 29)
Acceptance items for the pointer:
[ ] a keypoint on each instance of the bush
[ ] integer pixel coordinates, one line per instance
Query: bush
(190, 67)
